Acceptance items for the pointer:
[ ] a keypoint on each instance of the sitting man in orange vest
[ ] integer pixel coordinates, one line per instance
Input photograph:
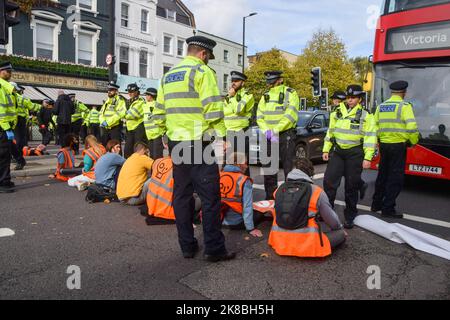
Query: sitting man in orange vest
(66, 158)
(315, 239)
(237, 196)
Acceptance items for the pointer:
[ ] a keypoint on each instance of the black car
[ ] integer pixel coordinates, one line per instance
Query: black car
(312, 127)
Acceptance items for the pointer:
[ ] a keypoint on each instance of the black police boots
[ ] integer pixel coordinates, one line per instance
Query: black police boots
(222, 257)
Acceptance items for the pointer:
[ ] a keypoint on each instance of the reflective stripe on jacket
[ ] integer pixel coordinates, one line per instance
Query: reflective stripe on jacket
(8, 112)
(396, 122)
(303, 242)
(238, 111)
(151, 129)
(160, 190)
(80, 108)
(232, 189)
(113, 111)
(135, 114)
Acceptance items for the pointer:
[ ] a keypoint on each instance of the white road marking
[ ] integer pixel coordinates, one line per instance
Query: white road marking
(5, 232)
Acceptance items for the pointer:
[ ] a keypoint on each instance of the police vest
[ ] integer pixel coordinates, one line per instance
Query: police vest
(238, 111)
(160, 190)
(8, 112)
(232, 189)
(152, 131)
(79, 109)
(69, 158)
(91, 153)
(113, 111)
(308, 242)
(94, 117)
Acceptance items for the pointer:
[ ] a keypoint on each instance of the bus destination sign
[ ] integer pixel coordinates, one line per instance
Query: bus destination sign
(435, 36)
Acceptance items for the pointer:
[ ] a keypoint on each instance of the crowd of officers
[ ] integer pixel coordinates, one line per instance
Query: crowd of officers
(188, 105)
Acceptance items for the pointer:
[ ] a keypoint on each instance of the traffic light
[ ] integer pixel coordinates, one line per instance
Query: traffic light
(9, 16)
(316, 81)
(323, 100)
(303, 104)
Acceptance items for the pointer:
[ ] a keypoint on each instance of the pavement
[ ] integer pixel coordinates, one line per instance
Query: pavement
(120, 257)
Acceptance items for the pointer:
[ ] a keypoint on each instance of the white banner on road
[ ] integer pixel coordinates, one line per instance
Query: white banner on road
(402, 234)
(5, 232)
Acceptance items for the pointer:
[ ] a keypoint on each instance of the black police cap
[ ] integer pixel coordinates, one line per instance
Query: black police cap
(272, 76)
(49, 101)
(132, 87)
(71, 95)
(236, 76)
(113, 86)
(151, 92)
(399, 86)
(203, 42)
(6, 66)
(341, 95)
(354, 90)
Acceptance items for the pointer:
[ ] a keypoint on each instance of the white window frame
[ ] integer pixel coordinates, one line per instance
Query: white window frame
(86, 27)
(225, 82)
(148, 62)
(184, 47)
(148, 20)
(171, 52)
(241, 61)
(55, 22)
(93, 8)
(125, 45)
(128, 19)
(174, 15)
(226, 57)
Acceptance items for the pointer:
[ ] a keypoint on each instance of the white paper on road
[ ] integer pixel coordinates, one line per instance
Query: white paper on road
(5, 232)
(402, 234)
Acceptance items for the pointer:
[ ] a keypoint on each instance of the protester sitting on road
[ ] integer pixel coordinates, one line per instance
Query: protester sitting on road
(66, 157)
(108, 167)
(132, 186)
(91, 154)
(237, 196)
(310, 238)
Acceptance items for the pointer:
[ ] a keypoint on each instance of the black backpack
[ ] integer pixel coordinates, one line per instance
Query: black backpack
(292, 204)
(97, 193)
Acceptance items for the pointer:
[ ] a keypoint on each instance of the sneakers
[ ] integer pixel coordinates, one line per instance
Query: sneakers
(20, 166)
(83, 186)
(6, 189)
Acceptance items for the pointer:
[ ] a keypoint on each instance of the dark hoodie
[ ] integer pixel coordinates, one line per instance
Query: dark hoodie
(64, 108)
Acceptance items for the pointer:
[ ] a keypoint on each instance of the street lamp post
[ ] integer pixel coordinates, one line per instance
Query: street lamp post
(243, 40)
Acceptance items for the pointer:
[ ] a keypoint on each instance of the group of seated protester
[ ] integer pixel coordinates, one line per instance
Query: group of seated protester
(304, 222)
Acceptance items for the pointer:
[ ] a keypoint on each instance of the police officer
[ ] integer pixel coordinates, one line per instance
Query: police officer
(397, 129)
(337, 98)
(277, 118)
(352, 133)
(135, 119)
(111, 114)
(154, 135)
(77, 119)
(8, 122)
(238, 112)
(189, 104)
(94, 122)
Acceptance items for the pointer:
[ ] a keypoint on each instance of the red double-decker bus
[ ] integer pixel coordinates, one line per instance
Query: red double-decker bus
(412, 43)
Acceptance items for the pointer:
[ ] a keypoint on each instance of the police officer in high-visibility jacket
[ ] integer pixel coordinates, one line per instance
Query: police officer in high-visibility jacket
(111, 114)
(8, 122)
(94, 122)
(153, 132)
(397, 129)
(135, 120)
(352, 134)
(277, 118)
(77, 118)
(188, 105)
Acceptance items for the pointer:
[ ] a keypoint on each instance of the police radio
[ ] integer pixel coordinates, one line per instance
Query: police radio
(266, 97)
(238, 98)
(281, 98)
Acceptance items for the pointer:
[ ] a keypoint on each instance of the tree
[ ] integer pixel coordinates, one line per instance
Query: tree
(361, 67)
(267, 61)
(27, 5)
(327, 51)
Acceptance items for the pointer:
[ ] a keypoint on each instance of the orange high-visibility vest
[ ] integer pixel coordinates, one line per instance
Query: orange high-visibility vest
(160, 189)
(28, 152)
(303, 242)
(94, 157)
(68, 164)
(232, 189)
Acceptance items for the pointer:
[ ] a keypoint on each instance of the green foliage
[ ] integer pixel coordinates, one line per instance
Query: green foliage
(27, 5)
(361, 66)
(59, 68)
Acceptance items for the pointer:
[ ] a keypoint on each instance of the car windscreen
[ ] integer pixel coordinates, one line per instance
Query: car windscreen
(303, 119)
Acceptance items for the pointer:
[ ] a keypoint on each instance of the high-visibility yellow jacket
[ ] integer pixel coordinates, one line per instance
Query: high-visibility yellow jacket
(135, 114)
(152, 131)
(238, 110)
(25, 105)
(94, 116)
(189, 102)
(113, 111)
(396, 122)
(8, 112)
(352, 128)
(80, 108)
(278, 109)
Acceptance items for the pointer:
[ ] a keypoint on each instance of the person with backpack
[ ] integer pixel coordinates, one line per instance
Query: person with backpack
(236, 191)
(299, 206)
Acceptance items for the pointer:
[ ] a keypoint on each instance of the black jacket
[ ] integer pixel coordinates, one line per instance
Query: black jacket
(64, 109)
(45, 116)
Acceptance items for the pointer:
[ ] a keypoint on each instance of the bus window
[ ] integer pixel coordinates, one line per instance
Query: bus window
(402, 5)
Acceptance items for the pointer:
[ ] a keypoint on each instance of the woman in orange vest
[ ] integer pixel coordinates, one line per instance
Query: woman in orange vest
(237, 197)
(93, 151)
(66, 158)
(312, 241)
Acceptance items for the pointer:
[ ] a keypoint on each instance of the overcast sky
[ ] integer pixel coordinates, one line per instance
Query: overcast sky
(289, 24)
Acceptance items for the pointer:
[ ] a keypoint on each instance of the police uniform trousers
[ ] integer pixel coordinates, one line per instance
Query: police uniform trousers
(63, 131)
(345, 163)
(75, 129)
(21, 133)
(115, 133)
(83, 133)
(46, 136)
(237, 139)
(204, 179)
(133, 137)
(391, 174)
(5, 159)
(94, 129)
(287, 156)
(156, 148)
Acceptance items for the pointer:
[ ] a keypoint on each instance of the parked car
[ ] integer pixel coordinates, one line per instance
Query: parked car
(312, 127)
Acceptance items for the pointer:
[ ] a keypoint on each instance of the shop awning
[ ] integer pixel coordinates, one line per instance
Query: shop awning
(87, 97)
(33, 94)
